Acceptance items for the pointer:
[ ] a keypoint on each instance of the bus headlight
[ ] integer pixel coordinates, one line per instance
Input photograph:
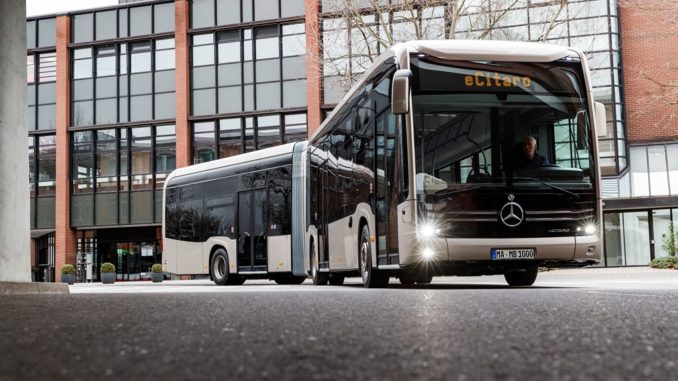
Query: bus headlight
(428, 230)
(590, 229)
(427, 253)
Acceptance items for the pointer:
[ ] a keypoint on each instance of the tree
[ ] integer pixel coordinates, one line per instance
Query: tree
(670, 240)
(355, 32)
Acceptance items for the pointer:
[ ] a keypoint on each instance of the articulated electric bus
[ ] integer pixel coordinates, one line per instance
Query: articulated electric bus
(428, 167)
(232, 218)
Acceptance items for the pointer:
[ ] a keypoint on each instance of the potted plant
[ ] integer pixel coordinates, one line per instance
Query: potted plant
(108, 273)
(157, 274)
(68, 274)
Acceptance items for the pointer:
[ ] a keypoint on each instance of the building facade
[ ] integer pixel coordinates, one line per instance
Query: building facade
(118, 97)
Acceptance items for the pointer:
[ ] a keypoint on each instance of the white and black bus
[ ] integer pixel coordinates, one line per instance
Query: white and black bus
(421, 169)
(232, 218)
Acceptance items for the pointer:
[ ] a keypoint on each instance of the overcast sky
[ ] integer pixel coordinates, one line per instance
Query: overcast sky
(46, 7)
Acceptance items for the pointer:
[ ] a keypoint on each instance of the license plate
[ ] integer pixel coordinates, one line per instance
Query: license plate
(500, 254)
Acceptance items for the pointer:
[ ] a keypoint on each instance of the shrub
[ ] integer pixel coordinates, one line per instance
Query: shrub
(68, 269)
(156, 268)
(107, 267)
(664, 263)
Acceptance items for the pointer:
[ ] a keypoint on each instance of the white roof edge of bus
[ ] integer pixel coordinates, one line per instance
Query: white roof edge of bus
(476, 50)
(233, 160)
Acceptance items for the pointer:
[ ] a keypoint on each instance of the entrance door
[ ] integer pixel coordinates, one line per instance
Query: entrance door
(252, 245)
(386, 180)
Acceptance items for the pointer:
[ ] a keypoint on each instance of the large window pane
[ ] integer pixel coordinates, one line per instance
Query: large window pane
(83, 26)
(106, 25)
(141, 108)
(106, 111)
(659, 182)
(230, 99)
(47, 32)
(47, 117)
(164, 81)
(266, 9)
(163, 18)
(202, 13)
(292, 8)
(47, 93)
(268, 70)
(228, 12)
(164, 59)
(203, 77)
(203, 55)
(83, 113)
(165, 106)
(141, 57)
(106, 87)
(140, 21)
(229, 74)
(203, 102)
(294, 93)
(636, 238)
(141, 83)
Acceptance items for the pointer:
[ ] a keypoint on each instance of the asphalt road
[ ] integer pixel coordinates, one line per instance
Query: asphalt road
(451, 330)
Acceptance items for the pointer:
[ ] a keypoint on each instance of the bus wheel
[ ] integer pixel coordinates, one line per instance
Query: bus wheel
(336, 279)
(319, 279)
(372, 278)
(522, 277)
(407, 278)
(219, 267)
(235, 280)
(289, 279)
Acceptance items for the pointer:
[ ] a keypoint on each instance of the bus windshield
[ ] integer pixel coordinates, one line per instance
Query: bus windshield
(498, 124)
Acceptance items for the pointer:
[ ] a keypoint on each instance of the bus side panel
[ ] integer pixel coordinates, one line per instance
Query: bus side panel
(407, 232)
(231, 249)
(169, 255)
(279, 253)
(189, 257)
(364, 211)
(338, 233)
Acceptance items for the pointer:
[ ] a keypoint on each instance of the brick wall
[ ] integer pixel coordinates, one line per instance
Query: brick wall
(649, 39)
(313, 66)
(182, 86)
(65, 244)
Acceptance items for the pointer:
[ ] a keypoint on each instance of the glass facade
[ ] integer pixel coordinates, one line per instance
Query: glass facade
(589, 25)
(217, 139)
(634, 238)
(117, 174)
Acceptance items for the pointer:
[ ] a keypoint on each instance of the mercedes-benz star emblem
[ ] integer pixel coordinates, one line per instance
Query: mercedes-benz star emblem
(511, 214)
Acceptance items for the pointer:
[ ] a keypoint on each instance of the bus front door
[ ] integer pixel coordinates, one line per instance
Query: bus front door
(252, 245)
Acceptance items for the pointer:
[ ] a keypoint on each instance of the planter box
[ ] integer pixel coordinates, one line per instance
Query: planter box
(68, 278)
(157, 277)
(108, 278)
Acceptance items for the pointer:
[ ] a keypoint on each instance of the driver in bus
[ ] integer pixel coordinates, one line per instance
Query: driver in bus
(528, 156)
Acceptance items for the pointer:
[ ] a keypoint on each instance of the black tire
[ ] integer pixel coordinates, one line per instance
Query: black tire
(235, 280)
(219, 268)
(407, 278)
(336, 279)
(522, 277)
(318, 278)
(411, 277)
(372, 278)
(289, 279)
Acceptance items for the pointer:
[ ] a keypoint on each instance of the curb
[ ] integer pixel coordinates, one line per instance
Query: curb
(22, 288)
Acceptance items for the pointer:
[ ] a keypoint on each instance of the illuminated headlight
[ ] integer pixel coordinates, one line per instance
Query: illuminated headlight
(590, 229)
(427, 253)
(428, 230)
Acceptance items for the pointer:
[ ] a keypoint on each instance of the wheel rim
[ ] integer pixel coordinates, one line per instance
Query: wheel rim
(218, 266)
(314, 266)
(364, 252)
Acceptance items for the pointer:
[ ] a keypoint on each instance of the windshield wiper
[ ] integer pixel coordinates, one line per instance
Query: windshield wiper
(566, 192)
(449, 192)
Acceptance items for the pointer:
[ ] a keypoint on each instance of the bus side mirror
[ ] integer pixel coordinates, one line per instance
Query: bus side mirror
(601, 120)
(400, 92)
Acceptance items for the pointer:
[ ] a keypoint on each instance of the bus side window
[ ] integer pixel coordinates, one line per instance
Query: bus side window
(171, 214)
(190, 213)
(279, 201)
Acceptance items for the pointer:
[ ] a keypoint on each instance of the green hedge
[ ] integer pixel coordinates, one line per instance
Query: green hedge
(665, 263)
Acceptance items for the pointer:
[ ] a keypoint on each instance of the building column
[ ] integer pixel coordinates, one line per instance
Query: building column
(14, 199)
(313, 66)
(183, 102)
(65, 245)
